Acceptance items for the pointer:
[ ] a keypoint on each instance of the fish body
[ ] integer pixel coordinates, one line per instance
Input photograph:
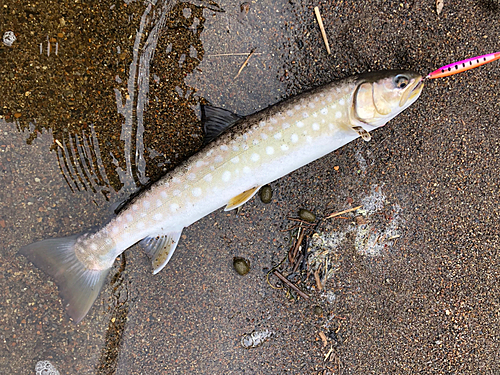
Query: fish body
(241, 155)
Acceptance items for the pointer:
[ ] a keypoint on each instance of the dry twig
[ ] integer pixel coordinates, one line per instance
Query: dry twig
(322, 28)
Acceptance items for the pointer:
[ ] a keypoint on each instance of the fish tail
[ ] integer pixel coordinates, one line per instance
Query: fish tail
(78, 285)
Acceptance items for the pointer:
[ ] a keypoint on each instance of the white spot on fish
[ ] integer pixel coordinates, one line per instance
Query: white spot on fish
(333, 106)
(146, 204)
(130, 218)
(247, 170)
(163, 194)
(176, 180)
(331, 126)
(159, 203)
(315, 114)
(210, 152)
(212, 168)
(115, 230)
(236, 148)
(289, 113)
(93, 247)
(135, 207)
(270, 128)
(338, 114)
(191, 176)
(294, 138)
(176, 193)
(277, 136)
(255, 142)
(158, 217)
(174, 207)
(196, 192)
(141, 225)
(269, 150)
(263, 136)
(235, 160)
(218, 159)
(300, 124)
(224, 148)
(341, 101)
(226, 176)
(316, 98)
(262, 124)
(286, 125)
(208, 177)
(305, 114)
(273, 120)
(324, 111)
(144, 214)
(245, 147)
(311, 105)
(297, 107)
(255, 157)
(315, 126)
(200, 163)
(338, 89)
(284, 147)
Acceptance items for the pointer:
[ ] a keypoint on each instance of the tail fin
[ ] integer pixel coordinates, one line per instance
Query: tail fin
(78, 286)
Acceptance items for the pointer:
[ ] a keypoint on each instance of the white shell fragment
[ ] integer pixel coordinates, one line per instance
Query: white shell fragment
(45, 368)
(256, 338)
(9, 38)
(439, 6)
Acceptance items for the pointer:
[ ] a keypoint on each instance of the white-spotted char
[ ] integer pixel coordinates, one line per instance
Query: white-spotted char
(241, 155)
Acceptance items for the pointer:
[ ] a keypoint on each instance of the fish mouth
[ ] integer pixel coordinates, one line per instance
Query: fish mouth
(412, 92)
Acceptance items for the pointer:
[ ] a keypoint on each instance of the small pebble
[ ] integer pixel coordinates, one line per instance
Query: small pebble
(9, 38)
(307, 216)
(318, 311)
(266, 194)
(241, 265)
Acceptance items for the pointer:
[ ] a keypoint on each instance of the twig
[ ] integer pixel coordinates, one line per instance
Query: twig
(318, 281)
(234, 54)
(290, 284)
(322, 28)
(343, 212)
(245, 63)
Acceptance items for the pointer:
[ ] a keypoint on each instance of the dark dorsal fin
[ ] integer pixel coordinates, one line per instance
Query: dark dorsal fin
(216, 120)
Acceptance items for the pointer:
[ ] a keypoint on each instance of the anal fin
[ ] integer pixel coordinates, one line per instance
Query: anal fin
(241, 199)
(160, 249)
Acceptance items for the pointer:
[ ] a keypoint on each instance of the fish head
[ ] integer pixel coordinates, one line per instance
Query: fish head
(381, 96)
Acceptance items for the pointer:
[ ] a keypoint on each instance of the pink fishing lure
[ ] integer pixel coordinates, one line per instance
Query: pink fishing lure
(462, 66)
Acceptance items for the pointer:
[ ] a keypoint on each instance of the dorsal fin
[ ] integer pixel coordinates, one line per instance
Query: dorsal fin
(216, 120)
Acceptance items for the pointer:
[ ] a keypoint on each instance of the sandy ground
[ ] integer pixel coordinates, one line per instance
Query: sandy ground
(413, 287)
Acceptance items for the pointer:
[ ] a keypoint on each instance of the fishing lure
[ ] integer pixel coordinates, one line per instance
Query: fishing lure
(462, 66)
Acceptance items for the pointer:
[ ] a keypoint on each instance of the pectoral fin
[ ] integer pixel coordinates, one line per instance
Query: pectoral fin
(241, 199)
(363, 133)
(160, 249)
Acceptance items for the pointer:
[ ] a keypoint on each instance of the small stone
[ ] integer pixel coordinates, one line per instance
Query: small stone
(266, 194)
(241, 265)
(307, 215)
(9, 38)
(318, 310)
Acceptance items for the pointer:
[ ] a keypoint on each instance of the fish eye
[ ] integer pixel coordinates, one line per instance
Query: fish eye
(401, 81)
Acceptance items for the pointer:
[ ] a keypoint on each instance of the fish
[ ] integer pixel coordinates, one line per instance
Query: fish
(463, 65)
(240, 155)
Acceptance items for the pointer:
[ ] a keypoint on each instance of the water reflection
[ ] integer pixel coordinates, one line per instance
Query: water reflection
(116, 102)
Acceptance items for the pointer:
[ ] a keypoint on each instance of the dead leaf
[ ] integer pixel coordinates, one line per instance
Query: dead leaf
(439, 6)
